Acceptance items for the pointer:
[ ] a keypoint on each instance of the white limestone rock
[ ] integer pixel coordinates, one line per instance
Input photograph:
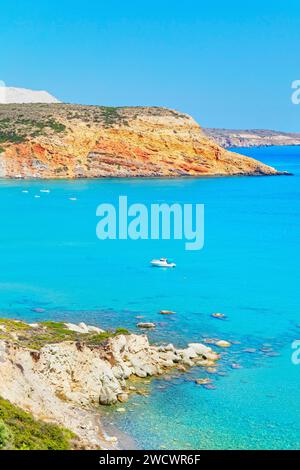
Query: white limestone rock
(24, 95)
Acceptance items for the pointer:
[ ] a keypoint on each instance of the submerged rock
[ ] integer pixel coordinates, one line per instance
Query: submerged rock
(38, 310)
(236, 366)
(212, 370)
(249, 350)
(146, 325)
(203, 381)
(210, 340)
(209, 386)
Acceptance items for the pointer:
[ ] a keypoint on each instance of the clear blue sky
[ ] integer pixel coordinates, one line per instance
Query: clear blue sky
(229, 64)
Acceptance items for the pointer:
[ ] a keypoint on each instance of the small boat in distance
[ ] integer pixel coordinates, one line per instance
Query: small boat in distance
(162, 263)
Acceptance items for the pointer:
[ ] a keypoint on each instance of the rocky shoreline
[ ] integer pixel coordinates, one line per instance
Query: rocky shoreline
(61, 372)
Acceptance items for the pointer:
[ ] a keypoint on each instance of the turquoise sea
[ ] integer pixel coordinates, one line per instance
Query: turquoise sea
(51, 259)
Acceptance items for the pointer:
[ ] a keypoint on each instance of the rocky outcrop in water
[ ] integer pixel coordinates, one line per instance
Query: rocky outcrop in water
(61, 382)
(73, 141)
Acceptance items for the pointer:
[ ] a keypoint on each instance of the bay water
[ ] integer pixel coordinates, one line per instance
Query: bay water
(52, 266)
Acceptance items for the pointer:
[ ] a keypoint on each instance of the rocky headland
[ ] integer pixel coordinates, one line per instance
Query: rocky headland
(59, 140)
(230, 138)
(61, 373)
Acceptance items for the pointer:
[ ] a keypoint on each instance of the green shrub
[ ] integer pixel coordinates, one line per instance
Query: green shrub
(110, 115)
(5, 436)
(50, 332)
(20, 431)
(11, 137)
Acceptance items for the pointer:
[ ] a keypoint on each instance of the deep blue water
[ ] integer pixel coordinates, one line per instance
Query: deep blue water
(249, 270)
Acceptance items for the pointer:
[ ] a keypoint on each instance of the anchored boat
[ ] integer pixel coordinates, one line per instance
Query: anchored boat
(162, 263)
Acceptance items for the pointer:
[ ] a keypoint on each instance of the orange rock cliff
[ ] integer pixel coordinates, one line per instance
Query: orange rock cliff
(75, 141)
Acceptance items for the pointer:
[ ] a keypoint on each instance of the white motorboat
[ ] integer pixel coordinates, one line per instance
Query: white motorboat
(162, 263)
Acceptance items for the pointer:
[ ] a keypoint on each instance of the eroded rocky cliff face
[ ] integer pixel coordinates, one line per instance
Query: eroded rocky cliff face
(73, 141)
(64, 382)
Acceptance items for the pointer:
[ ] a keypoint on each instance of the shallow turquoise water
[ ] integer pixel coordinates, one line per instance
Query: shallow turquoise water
(249, 270)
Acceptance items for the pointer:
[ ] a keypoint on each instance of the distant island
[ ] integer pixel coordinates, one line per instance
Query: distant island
(230, 138)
